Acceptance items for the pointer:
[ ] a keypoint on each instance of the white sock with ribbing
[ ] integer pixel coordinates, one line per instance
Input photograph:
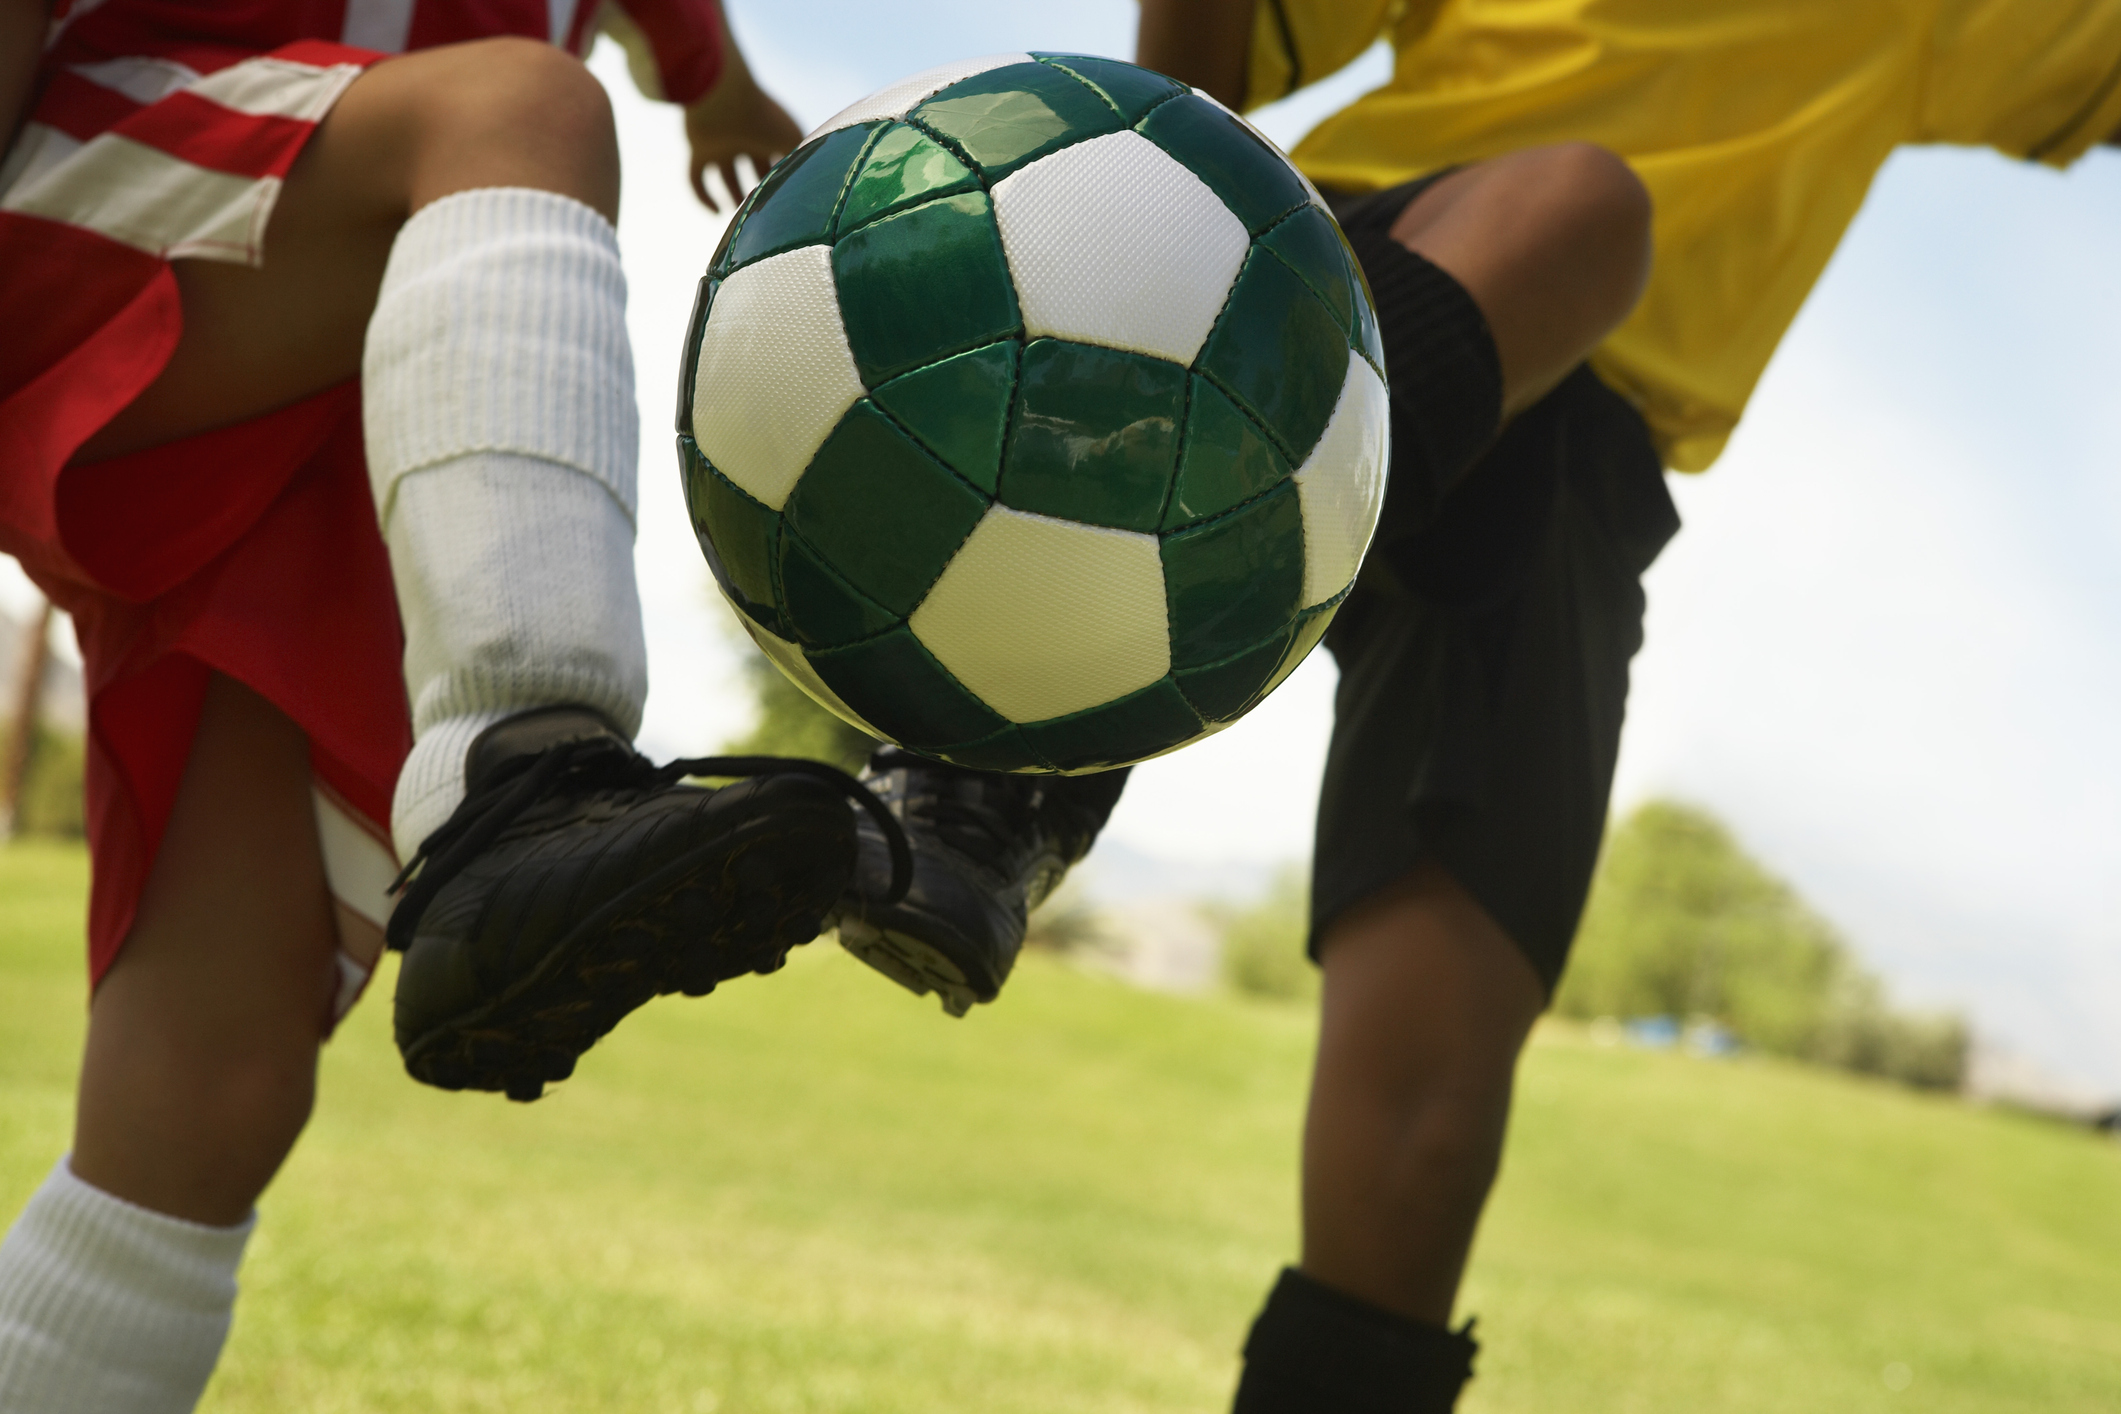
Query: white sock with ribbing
(108, 1308)
(503, 442)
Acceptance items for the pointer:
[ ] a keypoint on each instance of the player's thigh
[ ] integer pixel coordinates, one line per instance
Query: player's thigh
(500, 112)
(203, 1033)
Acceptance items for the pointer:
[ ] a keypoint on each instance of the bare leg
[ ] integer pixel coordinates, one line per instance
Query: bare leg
(1427, 1003)
(202, 1039)
(496, 112)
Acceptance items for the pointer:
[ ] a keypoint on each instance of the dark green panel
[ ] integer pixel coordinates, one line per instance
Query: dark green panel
(1226, 459)
(719, 264)
(883, 513)
(794, 205)
(1277, 351)
(1312, 246)
(1129, 88)
(1367, 336)
(897, 687)
(1252, 178)
(921, 285)
(1013, 115)
(959, 408)
(689, 359)
(904, 166)
(1222, 691)
(1311, 626)
(822, 609)
(1235, 580)
(1095, 435)
(1137, 725)
(1004, 751)
(736, 533)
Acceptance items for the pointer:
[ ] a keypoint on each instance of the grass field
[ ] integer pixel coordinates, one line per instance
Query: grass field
(812, 1193)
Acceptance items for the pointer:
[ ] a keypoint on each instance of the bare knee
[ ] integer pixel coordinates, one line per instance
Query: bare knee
(493, 112)
(1598, 199)
(514, 112)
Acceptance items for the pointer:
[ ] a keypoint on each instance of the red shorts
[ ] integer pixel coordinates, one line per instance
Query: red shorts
(251, 550)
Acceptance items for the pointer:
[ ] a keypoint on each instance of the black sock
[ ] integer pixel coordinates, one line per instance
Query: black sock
(1445, 376)
(1315, 1350)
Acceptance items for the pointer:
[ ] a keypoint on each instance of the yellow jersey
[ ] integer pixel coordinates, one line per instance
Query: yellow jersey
(1756, 124)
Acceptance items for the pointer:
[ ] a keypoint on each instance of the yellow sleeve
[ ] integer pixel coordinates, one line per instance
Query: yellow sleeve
(1299, 42)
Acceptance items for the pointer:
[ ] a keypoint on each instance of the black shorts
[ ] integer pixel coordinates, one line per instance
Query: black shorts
(1484, 667)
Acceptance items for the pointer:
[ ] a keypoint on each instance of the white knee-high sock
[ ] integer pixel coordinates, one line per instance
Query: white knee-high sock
(107, 1308)
(503, 442)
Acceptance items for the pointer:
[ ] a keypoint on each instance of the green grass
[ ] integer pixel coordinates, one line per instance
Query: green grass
(813, 1193)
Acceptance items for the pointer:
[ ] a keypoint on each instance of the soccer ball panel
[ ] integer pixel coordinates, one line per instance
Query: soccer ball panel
(902, 167)
(1222, 691)
(1226, 459)
(890, 272)
(773, 339)
(1114, 242)
(1311, 626)
(1005, 118)
(1254, 180)
(911, 697)
(1235, 579)
(818, 605)
(1277, 352)
(1041, 618)
(790, 660)
(794, 205)
(958, 409)
(1130, 89)
(736, 533)
(1145, 723)
(894, 100)
(1343, 484)
(880, 511)
(1311, 245)
(1095, 435)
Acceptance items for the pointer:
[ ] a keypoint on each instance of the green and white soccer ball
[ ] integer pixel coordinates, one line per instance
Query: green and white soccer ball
(1033, 414)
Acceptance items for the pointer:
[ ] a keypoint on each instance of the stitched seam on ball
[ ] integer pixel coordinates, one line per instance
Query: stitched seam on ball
(1226, 513)
(939, 458)
(1178, 456)
(854, 169)
(1102, 96)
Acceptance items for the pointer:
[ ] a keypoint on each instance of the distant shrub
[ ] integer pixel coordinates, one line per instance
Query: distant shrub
(1263, 943)
(53, 802)
(1682, 922)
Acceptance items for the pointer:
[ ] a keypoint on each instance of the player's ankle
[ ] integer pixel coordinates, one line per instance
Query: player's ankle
(1315, 1350)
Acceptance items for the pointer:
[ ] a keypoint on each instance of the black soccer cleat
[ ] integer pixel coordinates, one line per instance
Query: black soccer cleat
(984, 855)
(577, 880)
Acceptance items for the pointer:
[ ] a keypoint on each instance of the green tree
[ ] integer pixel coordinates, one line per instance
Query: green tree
(1683, 922)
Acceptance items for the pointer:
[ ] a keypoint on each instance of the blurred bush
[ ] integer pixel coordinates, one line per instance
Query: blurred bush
(1263, 942)
(1683, 923)
(52, 802)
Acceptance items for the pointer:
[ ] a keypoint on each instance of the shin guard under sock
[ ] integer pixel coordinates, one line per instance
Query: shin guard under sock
(503, 443)
(108, 1307)
(1445, 376)
(1315, 1350)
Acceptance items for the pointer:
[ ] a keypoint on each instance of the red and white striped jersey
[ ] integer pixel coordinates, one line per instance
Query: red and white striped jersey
(196, 110)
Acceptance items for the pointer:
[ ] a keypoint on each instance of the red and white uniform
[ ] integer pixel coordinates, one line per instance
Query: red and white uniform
(162, 132)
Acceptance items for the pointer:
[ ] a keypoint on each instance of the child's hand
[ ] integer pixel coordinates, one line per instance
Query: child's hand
(736, 118)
